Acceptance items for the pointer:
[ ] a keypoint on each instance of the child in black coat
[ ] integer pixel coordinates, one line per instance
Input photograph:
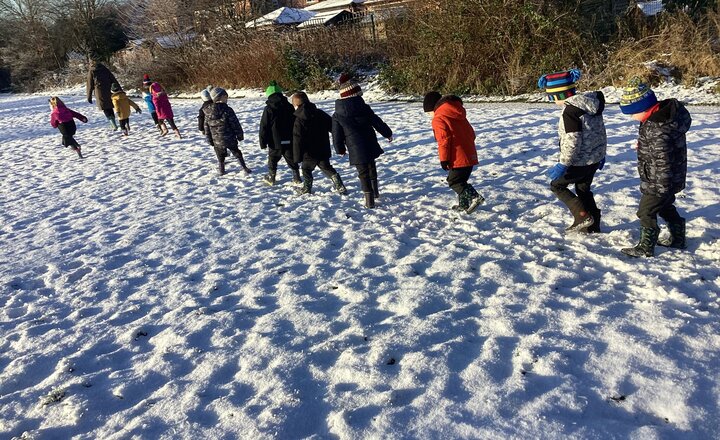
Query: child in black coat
(311, 142)
(276, 131)
(223, 130)
(354, 126)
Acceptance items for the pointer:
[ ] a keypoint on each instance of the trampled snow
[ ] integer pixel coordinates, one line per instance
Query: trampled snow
(144, 296)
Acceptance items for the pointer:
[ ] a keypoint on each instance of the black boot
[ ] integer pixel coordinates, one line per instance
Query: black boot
(339, 187)
(583, 219)
(646, 247)
(270, 177)
(369, 200)
(677, 236)
(376, 191)
(595, 227)
(307, 187)
(296, 177)
(221, 168)
(474, 199)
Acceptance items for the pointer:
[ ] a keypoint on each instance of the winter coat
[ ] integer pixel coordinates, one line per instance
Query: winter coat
(201, 115)
(662, 149)
(583, 140)
(149, 102)
(122, 105)
(311, 133)
(354, 125)
(454, 134)
(222, 127)
(161, 102)
(62, 114)
(276, 125)
(99, 81)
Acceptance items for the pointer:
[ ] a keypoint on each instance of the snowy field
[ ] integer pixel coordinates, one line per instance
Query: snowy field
(143, 296)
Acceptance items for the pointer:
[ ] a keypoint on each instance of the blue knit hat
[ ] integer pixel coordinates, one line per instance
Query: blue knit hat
(560, 85)
(637, 97)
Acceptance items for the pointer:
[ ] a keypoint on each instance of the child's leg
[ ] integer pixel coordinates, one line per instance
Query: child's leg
(582, 188)
(457, 179)
(155, 118)
(239, 156)
(67, 130)
(669, 213)
(110, 115)
(650, 206)
(125, 125)
(364, 173)
(326, 168)
(374, 179)
(171, 121)
(288, 155)
(307, 169)
(163, 128)
(560, 185)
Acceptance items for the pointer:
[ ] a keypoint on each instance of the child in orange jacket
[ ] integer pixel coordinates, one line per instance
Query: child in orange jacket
(456, 146)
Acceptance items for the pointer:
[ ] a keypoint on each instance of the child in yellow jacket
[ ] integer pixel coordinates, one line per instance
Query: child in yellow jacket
(122, 105)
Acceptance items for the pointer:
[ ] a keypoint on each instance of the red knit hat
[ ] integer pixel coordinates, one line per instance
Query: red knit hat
(348, 87)
(146, 80)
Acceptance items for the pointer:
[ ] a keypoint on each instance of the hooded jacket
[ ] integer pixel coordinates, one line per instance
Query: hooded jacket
(61, 114)
(662, 149)
(454, 134)
(122, 105)
(276, 125)
(353, 130)
(311, 133)
(583, 140)
(99, 81)
(222, 127)
(161, 102)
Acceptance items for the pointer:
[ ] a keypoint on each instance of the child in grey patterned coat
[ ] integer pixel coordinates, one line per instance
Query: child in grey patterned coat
(662, 165)
(583, 143)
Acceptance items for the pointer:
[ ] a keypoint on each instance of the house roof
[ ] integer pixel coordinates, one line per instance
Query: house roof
(332, 4)
(321, 18)
(281, 16)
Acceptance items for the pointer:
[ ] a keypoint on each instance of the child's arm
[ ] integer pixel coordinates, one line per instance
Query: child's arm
(78, 116)
(208, 134)
(338, 135)
(442, 136)
(135, 106)
(264, 123)
(380, 126)
(235, 125)
(571, 141)
(54, 122)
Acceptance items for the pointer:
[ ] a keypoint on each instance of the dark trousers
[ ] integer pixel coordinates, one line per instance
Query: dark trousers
(308, 165)
(651, 206)
(155, 118)
(125, 124)
(67, 130)
(367, 172)
(222, 153)
(288, 155)
(582, 177)
(458, 179)
(170, 121)
(109, 113)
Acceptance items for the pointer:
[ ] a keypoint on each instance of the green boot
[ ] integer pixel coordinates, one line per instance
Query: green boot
(677, 236)
(646, 247)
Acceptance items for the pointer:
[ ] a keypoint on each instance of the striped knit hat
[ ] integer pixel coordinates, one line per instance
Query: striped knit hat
(559, 85)
(146, 80)
(637, 97)
(348, 87)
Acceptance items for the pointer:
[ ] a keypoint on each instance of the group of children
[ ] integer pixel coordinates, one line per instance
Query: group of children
(299, 132)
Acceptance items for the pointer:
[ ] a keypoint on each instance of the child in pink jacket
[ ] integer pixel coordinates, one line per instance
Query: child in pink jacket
(61, 118)
(162, 107)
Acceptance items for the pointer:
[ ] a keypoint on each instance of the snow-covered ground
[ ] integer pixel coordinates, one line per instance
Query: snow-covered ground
(143, 296)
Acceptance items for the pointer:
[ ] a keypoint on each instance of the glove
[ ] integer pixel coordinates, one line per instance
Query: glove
(445, 165)
(601, 164)
(84, 120)
(138, 111)
(557, 171)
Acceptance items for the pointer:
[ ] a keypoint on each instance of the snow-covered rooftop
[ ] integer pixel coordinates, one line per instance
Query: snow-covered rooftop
(281, 16)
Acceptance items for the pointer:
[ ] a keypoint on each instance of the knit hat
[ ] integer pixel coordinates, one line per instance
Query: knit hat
(348, 87)
(430, 101)
(205, 94)
(273, 88)
(637, 97)
(217, 93)
(115, 87)
(146, 80)
(559, 85)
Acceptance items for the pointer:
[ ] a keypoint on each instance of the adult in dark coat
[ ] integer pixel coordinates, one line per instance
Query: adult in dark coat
(662, 165)
(276, 131)
(311, 142)
(354, 126)
(223, 129)
(99, 81)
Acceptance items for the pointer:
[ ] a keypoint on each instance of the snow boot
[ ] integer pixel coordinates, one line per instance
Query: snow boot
(646, 247)
(369, 200)
(677, 236)
(113, 123)
(221, 168)
(583, 219)
(296, 177)
(473, 199)
(77, 150)
(595, 227)
(376, 191)
(339, 187)
(270, 178)
(306, 188)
